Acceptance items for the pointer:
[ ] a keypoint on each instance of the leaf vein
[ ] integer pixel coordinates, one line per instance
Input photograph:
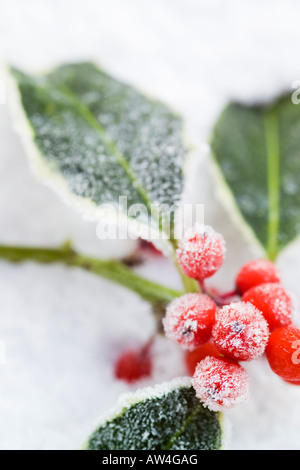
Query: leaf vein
(181, 430)
(273, 174)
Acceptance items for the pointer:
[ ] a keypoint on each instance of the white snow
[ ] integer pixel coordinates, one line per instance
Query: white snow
(63, 328)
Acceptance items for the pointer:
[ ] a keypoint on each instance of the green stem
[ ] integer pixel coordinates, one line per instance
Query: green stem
(113, 270)
(190, 285)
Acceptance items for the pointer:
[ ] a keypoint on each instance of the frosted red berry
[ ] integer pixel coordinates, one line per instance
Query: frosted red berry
(134, 365)
(201, 253)
(255, 273)
(189, 320)
(274, 302)
(192, 358)
(240, 332)
(220, 383)
(283, 353)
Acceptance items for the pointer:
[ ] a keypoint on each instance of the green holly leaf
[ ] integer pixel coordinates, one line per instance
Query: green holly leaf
(96, 139)
(257, 152)
(166, 417)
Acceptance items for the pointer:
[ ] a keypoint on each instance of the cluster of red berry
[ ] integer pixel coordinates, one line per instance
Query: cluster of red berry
(218, 335)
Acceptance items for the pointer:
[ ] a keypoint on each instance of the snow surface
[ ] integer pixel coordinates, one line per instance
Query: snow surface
(62, 328)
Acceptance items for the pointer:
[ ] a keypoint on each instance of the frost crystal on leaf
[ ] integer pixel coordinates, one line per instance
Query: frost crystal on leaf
(166, 417)
(95, 139)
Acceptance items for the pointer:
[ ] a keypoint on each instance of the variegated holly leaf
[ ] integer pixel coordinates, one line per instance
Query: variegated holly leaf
(166, 417)
(257, 152)
(96, 139)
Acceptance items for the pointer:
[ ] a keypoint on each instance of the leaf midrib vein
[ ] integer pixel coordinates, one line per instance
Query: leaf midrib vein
(94, 123)
(181, 430)
(273, 169)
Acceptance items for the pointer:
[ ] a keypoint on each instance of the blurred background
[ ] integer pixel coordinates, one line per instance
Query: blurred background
(59, 324)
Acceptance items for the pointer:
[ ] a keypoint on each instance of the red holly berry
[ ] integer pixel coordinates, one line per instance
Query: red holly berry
(201, 252)
(255, 273)
(283, 353)
(189, 320)
(274, 302)
(240, 332)
(292, 382)
(148, 248)
(134, 365)
(192, 358)
(220, 383)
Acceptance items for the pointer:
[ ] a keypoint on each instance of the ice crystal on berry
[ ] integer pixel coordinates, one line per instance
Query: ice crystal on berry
(274, 302)
(189, 320)
(240, 331)
(201, 252)
(220, 383)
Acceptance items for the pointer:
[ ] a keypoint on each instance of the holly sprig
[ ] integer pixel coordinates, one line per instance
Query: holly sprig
(76, 112)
